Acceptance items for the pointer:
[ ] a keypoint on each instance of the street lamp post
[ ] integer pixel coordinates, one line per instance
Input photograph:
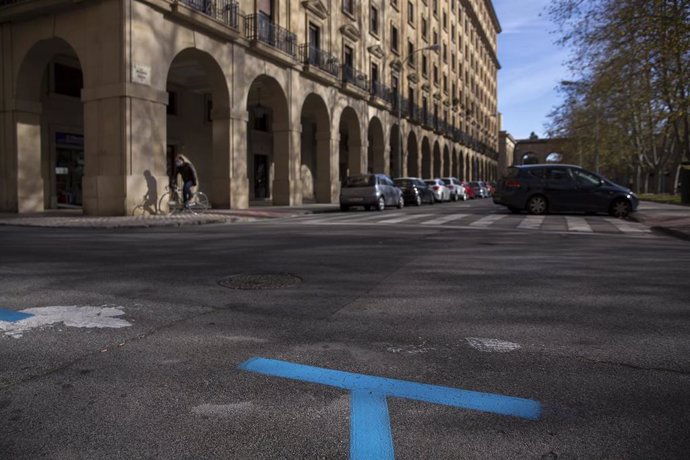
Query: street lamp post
(434, 47)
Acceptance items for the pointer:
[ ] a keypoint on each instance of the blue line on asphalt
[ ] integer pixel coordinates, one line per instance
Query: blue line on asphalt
(465, 399)
(370, 427)
(370, 431)
(12, 316)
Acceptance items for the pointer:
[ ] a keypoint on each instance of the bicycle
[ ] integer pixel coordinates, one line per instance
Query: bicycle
(173, 202)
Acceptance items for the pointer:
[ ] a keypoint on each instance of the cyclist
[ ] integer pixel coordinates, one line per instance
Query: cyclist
(185, 169)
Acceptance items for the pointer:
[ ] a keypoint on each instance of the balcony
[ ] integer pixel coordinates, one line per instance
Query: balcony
(315, 57)
(259, 28)
(225, 11)
(355, 77)
(382, 92)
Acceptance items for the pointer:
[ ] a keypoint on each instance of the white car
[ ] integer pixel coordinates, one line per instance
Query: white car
(438, 187)
(457, 190)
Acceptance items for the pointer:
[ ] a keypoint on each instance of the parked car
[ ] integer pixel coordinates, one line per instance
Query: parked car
(479, 190)
(415, 190)
(370, 191)
(546, 188)
(457, 191)
(468, 190)
(488, 188)
(438, 187)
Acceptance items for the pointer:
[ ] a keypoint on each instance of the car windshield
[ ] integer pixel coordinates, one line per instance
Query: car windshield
(404, 182)
(359, 181)
(430, 182)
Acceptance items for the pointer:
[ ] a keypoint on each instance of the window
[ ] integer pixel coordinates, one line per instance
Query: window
(349, 7)
(410, 13)
(435, 74)
(394, 39)
(68, 80)
(425, 65)
(348, 56)
(374, 19)
(374, 76)
(410, 54)
(425, 29)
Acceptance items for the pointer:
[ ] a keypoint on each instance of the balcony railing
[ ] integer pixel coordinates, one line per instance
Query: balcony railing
(260, 28)
(313, 56)
(383, 92)
(355, 77)
(225, 11)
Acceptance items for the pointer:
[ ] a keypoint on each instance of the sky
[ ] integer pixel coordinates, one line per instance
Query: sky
(531, 66)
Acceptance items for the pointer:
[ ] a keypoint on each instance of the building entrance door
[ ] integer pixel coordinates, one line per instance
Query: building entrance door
(69, 170)
(261, 190)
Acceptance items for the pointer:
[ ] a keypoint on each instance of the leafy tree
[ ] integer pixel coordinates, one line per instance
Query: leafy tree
(629, 108)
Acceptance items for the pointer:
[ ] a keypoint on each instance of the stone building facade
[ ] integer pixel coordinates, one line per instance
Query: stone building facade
(272, 100)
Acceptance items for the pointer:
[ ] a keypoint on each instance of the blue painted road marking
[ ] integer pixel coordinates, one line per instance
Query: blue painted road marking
(11, 316)
(370, 432)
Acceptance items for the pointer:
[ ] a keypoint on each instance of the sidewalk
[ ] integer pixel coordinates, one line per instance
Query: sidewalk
(669, 219)
(73, 218)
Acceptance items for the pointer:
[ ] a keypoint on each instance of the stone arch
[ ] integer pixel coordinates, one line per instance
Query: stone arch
(427, 163)
(413, 155)
(271, 169)
(198, 118)
(529, 158)
(316, 170)
(350, 144)
(376, 148)
(33, 181)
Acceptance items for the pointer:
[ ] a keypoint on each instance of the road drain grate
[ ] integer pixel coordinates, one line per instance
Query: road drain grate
(258, 282)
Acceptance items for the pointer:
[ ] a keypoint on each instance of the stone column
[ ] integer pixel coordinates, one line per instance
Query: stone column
(22, 185)
(124, 147)
(286, 157)
(229, 182)
(327, 187)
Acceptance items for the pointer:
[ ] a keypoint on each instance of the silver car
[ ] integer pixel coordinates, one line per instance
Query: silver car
(370, 191)
(441, 192)
(457, 190)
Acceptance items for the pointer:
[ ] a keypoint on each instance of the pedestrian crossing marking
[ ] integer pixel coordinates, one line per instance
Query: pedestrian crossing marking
(398, 220)
(531, 222)
(445, 219)
(627, 227)
(488, 220)
(578, 224)
(581, 225)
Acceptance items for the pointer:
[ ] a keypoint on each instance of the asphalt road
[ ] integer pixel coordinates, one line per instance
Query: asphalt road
(591, 326)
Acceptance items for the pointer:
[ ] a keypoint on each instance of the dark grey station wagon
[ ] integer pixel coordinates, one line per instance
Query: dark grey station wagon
(543, 188)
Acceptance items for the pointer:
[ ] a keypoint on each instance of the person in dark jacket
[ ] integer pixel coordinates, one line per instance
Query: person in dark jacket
(185, 169)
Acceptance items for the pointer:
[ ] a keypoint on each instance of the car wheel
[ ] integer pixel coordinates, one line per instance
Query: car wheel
(537, 205)
(381, 204)
(401, 203)
(344, 207)
(418, 200)
(620, 208)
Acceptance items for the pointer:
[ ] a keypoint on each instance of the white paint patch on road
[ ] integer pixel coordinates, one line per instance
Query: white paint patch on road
(410, 349)
(223, 410)
(71, 316)
(491, 345)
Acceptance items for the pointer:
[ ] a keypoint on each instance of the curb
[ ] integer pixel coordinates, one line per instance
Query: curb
(671, 232)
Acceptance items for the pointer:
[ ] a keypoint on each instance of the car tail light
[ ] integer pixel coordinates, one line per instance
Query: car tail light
(435, 187)
(450, 186)
(512, 184)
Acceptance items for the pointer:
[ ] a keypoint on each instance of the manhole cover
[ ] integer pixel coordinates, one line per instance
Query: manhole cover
(255, 282)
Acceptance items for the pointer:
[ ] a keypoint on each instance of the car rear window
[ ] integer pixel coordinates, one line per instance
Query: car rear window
(359, 181)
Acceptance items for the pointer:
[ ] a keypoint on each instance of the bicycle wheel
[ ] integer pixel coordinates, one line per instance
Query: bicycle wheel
(165, 204)
(139, 211)
(201, 202)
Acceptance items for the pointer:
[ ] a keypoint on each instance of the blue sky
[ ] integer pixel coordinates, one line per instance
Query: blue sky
(531, 66)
